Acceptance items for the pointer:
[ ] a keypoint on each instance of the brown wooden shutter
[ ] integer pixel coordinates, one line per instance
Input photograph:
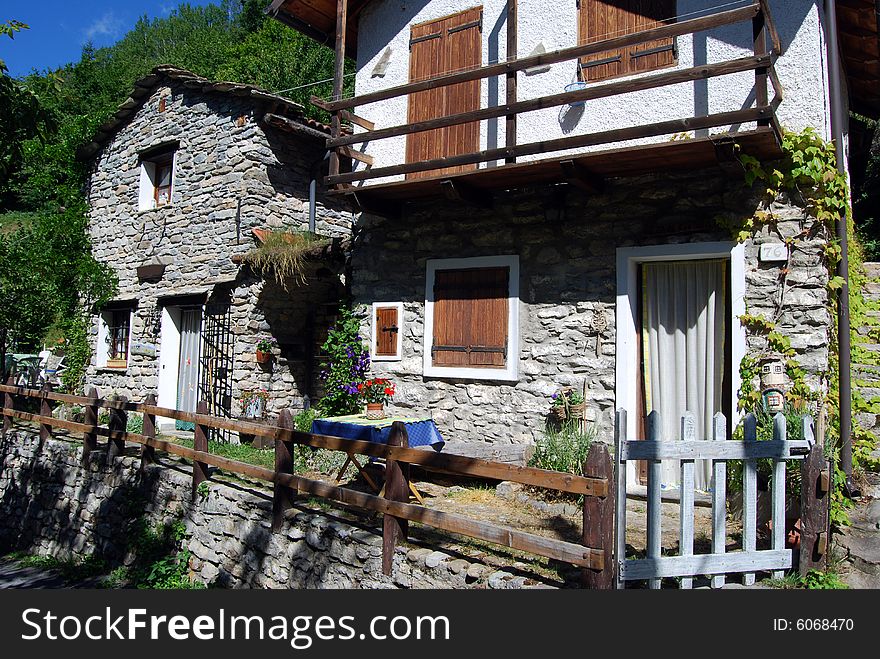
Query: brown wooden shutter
(387, 328)
(602, 19)
(437, 47)
(470, 317)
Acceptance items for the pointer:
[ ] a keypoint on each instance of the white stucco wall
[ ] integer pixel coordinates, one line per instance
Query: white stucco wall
(553, 23)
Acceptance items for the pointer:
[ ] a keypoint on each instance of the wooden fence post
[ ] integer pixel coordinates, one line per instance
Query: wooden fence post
(9, 404)
(599, 518)
(148, 453)
(815, 487)
(45, 410)
(686, 502)
(777, 486)
(719, 497)
(750, 495)
(396, 489)
(90, 418)
(282, 495)
(200, 443)
(118, 424)
(654, 493)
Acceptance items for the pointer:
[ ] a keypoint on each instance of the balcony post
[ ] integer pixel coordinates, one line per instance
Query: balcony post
(759, 30)
(338, 78)
(512, 53)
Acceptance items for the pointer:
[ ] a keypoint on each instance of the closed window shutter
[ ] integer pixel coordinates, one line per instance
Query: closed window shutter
(386, 331)
(470, 317)
(603, 19)
(438, 47)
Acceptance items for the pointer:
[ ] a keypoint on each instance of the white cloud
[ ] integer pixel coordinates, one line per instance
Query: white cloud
(109, 25)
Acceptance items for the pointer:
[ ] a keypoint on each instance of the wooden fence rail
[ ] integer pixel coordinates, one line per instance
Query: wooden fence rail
(595, 556)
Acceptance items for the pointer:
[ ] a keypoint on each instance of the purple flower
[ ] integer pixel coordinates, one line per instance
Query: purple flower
(554, 396)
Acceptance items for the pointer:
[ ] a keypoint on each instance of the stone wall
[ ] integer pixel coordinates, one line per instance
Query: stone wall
(51, 505)
(567, 242)
(232, 174)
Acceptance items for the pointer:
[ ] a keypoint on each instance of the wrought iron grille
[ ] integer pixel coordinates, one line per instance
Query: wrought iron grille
(216, 363)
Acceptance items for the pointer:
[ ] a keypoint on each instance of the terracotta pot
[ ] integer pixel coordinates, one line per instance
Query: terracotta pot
(263, 357)
(375, 411)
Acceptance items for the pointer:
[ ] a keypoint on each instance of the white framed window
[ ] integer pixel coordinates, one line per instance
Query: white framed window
(114, 337)
(387, 332)
(472, 318)
(157, 178)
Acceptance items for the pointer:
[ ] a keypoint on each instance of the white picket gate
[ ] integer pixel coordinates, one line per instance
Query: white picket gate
(687, 449)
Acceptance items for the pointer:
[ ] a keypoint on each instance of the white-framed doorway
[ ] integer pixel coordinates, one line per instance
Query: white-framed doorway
(628, 367)
(178, 358)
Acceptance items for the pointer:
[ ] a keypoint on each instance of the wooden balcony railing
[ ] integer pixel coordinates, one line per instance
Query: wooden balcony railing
(767, 47)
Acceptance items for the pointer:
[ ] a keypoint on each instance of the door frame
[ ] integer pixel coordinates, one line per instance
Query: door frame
(169, 353)
(627, 322)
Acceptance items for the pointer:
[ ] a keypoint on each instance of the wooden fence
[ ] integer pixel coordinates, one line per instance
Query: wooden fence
(594, 555)
(686, 449)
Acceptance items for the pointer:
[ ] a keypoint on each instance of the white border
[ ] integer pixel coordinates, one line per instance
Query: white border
(628, 259)
(511, 372)
(398, 350)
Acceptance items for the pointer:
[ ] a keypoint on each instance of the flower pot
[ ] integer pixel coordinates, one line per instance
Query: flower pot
(375, 411)
(255, 408)
(561, 414)
(263, 357)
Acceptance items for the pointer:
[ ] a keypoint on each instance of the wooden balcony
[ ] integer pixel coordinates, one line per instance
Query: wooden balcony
(586, 169)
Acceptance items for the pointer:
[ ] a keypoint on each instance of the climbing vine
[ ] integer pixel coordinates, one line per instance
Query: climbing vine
(808, 174)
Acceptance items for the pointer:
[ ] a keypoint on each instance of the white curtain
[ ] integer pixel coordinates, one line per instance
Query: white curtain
(683, 333)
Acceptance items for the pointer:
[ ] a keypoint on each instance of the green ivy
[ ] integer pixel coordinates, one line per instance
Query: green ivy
(808, 171)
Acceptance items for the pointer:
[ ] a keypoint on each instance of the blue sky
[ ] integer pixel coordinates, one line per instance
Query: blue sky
(59, 28)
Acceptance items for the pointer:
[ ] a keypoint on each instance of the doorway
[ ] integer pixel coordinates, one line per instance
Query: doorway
(679, 340)
(179, 354)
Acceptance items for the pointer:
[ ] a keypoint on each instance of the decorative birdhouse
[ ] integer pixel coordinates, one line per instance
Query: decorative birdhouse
(772, 372)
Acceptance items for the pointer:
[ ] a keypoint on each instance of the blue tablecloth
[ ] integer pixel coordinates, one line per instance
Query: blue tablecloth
(421, 432)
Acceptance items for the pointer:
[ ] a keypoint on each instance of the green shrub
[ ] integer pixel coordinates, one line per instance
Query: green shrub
(135, 423)
(563, 449)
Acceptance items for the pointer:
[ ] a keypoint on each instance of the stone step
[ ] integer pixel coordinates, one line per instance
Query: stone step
(866, 371)
(872, 269)
(871, 290)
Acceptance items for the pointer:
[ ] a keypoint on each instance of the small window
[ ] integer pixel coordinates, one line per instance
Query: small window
(114, 337)
(387, 331)
(602, 19)
(471, 318)
(157, 180)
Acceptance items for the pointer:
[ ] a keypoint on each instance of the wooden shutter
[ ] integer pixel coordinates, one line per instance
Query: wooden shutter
(602, 19)
(387, 329)
(437, 47)
(470, 317)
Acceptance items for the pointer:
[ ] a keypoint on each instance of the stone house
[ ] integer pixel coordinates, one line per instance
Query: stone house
(180, 178)
(546, 192)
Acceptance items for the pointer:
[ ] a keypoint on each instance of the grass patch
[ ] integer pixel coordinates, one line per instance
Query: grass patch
(70, 569)
(239, 452)
(282, 255)
(814, 580)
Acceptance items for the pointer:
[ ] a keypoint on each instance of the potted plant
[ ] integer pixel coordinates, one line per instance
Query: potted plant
(567, 405)
(264, 349)
(375, 393)
(253, 403)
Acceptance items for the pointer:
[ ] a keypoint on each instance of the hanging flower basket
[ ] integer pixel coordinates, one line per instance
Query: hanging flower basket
(568, 405)
(263, 357)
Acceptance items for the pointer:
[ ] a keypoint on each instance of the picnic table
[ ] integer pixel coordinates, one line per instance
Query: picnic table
(420, 431)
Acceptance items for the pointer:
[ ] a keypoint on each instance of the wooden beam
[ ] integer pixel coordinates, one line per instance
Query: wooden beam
(374, 206)
(461, 191)
(581, 177)
(510, 81)
(351, 117)
(338, 78)
(561, 144)
(348, 152)
(760, 41)
(771, 27)
(554, 100)
(662, 32)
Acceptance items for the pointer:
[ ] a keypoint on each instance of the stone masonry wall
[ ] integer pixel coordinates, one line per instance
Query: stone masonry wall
(567, 242)
(232, 174)
(51, 505)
